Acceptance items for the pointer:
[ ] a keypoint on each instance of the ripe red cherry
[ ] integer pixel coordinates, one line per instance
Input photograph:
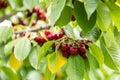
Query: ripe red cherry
(50, 37)
(4, 5)
(47, 32)
(34, 23)
(39, 40)
(73, 50)
(66, 54)
(64, 46)
(36, 9)
(40, 12)
(62, 33)
(73, 18)
(82, 48)
(55, 36)
(54, 45)
(43, 16)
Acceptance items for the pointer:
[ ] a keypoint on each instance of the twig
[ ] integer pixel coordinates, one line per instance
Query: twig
(32, 30)
(6, 16)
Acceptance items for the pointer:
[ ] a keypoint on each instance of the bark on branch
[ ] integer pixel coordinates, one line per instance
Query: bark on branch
(32, 30)
(6, 17)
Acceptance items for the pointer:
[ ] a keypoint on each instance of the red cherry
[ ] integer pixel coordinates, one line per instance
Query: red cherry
(50, 37)
(73, 18)
(61, 33)
(34, 23)
(36, 9)
(64, 46)
(44, 16)
(40, 12)
(47, 32)
(73, 50)
(83, 56)
(4, 5)
(82, 48)
(39, 40)
(55, 36)
(66, 54)
(73, 1)
(39, 17)
(54, 45)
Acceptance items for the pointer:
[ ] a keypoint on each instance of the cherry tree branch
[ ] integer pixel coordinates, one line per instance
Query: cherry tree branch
(6, 16)
(32, 30)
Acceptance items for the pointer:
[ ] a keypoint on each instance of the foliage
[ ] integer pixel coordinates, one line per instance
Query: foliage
(59, 40)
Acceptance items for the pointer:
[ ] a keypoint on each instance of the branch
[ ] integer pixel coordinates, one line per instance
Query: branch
(6, 16)
(32, 30)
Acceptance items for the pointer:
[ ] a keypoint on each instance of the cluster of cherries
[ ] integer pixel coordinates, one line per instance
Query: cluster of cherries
(68, 49)
(41, 15)
(20, 21)
(3, 4)
(50, 36)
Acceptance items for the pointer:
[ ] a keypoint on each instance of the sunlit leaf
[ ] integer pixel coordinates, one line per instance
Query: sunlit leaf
(90, 6)
(97, 53)
(14, 63)
(10, 73)
(81, 17)
(75, 67)
(55, 10)
(56, 61)
(22, 48)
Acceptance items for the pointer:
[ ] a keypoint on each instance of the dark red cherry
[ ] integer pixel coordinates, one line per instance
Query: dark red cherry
(34, 23)
(36, 9)
(66, 54)
(73, 50)
(64, 46)
(82, 48)
(54, 45)
(47, 32)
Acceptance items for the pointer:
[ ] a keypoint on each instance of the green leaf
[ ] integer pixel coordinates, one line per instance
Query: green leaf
(65, 16)
(33, 57)
(81, 17)
(55, 10)
(22, 48)
(69, 31)
(29, 4)
(90, 6)
(9, 47)
(5, 33)
(94, 34)
(56, 61)
(109, 61)
(9, 73)
(117, 36)
(114, 12)
(49, 75)
(92, 60)
(103, 17)
(1, 51)
(75, 67)
(15, 3)
(97, 53)
(43, 50)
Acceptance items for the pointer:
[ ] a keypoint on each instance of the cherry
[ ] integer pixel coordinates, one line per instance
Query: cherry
(64, 46)
(72, 18)
(73, 1)
(61, 33)
(34, 23)
(39, 40)
(47, 32)
(50, 37)
(43, 16)
(73, 50)
(66, 54)
(82, 48)
(4, 5)
(83, 56)
(40, 12)
(36, 9)
(39, 17)
(55, 36)
(54, 45)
